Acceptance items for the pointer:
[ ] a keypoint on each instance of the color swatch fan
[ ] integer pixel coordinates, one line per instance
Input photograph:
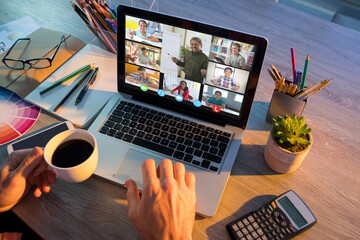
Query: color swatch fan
(17, 116)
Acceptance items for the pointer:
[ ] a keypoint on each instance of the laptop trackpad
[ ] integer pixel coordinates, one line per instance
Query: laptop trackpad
(130, 166)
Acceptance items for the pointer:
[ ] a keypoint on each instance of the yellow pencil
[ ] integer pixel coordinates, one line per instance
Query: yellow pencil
(277, 75)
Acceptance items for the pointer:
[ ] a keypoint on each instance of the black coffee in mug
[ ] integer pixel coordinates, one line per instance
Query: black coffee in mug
(72, 153)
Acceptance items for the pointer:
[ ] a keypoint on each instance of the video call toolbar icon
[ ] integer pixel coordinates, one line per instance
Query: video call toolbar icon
(216, 108)
(197, 103)
(161, 92)
(143, 87)
(179, 98)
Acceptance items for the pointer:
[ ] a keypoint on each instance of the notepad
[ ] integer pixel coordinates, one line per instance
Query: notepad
(95, 98)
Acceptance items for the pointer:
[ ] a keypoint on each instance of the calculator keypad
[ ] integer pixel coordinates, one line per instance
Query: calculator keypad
(269, 222)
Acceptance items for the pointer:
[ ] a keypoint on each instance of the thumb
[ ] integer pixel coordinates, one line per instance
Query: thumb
(132, 196)
(31, 161)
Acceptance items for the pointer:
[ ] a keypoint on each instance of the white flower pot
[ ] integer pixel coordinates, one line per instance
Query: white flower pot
(282, 160)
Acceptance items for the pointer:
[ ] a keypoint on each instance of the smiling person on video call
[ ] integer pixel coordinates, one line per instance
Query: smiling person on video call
(226, 81)
(235, 59)
(141, 32)
(195, 62)
(142, 78)
(182, 89)
(143, 56)
(217, 100)
(166, 209)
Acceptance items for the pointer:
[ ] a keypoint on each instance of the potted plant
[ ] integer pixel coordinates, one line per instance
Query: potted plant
(289, 142)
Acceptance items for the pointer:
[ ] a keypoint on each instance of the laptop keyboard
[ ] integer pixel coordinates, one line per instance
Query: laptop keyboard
(183, 140)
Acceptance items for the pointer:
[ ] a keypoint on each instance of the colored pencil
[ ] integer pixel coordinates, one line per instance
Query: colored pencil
(305, 72)
(293, 64)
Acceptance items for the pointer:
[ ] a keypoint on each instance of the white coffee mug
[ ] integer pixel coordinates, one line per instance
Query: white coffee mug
(77, 173)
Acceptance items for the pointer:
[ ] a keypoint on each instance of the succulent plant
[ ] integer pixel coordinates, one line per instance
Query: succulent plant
(290, 129)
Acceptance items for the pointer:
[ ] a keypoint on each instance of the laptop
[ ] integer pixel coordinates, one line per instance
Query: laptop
(174, 102)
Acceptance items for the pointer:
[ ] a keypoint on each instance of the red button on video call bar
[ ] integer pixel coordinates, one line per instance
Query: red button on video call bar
(216, 108)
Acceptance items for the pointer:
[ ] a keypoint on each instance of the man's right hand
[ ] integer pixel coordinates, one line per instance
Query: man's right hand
(174, 59)
(167, 206)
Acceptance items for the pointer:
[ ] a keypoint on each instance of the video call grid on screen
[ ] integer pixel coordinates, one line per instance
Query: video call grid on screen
(215, 72)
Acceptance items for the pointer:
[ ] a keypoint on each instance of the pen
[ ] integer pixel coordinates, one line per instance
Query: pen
(64, 79)
(293, 64)
(72, 90)
(305, 72)
(86, 86)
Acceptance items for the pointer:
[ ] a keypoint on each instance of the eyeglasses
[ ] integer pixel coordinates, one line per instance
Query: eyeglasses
(37, 63)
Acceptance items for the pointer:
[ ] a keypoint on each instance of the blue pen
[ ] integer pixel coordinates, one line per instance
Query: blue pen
(111, 25)
(86, 86)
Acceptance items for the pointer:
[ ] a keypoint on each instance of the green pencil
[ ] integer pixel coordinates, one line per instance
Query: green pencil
(305, 71)
(64, 79)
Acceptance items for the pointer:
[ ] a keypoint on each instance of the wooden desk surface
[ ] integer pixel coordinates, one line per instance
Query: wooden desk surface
(328, 180)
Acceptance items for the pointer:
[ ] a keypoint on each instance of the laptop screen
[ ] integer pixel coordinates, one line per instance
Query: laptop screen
(191, 66)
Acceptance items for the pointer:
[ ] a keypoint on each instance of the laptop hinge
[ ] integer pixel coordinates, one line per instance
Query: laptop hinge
(182, 111)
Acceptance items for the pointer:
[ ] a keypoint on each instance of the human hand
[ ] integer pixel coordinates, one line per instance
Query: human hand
(19, 171)
(203, 72)
(174, 59)
(167, 206)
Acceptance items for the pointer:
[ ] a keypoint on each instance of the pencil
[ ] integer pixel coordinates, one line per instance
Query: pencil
(275, 72)
(89, 26)
(293, 64)
(66, 78)
(305, 72)
(271, 74)
(72, 90)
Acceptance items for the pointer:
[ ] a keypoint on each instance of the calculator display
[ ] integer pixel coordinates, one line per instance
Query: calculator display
(292, 212)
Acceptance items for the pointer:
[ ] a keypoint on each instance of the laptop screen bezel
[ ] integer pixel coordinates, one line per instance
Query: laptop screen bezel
(222, 119)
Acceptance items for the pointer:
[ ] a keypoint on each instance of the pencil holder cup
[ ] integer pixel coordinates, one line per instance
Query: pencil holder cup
(282, 104)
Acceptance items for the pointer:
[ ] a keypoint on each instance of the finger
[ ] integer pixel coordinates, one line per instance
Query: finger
(166, 169)
(190, 181)
(149, 171)
(31, 161)
(42, 167)
(51, 177)
(132, 196)
(37, 191)
(45, 187)
(179, 172)
(16, 157)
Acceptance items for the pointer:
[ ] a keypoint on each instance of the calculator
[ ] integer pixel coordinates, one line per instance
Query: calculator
(282, 218)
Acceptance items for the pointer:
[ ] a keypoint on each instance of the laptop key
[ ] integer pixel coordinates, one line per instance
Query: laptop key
(196, 130)
(140, 134)
(146, 109)
(161, 114)
(173, 130)
(205, 140)
(125, 122)
(177, 119)
(127, 109)
(127, 115)
(157, 118)
(140, 127)
(138, 107)
(213, 150)
(135, 118)
(198, 153)
(180, 125)
(223, 139)
(157, 125)
(132, 124)
(149, 116)
(212, 135)
(172, 137)
(117, 126)
(172, 144)
(188, 142)
(185, 121)
(213, 168)
(115, 118)
(214, 143)
(148, 129)
(205, 164)
(142, 120)
(142, 113)
(204, 133)
(196, 145)
(218, 131)
(211, 157)
(222, 145)
(133, 131)
(165, 128)
(111, 132)
(181, 133)
(104, 130)
(197, 163)
(118, 113)
(189, 150)
(131, 104)
(120, 107)
(165, 120)
(156, 132)
(180, 139)
(156, 139)
(193, 124)
(210, 129)
(153, 111)
(188, 128)
(189, 135)
(109, 124)
(227, 134)
(148, 137)
(123, 102)
(172, 123)
(135, 111)
(128, 138)
(221, 152)
(178, 155)
(188, 158)
(119, 135)
(198, 138)
(205, 147)
(149, 123)
(125, 129)
(153, 146)
(181, 147)
(165, 135)
(164, 142)
(169, 116)
(201, 126)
